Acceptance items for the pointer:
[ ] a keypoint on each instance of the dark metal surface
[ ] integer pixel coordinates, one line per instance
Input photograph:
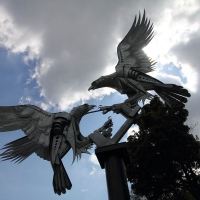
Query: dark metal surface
(116, 179)
(112, 158)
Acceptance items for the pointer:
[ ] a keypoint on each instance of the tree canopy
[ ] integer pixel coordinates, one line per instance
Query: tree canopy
(165, 157)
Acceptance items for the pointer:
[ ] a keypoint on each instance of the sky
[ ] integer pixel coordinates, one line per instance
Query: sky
(51, 51)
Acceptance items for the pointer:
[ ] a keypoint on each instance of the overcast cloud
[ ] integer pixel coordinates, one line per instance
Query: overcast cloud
(75, 42)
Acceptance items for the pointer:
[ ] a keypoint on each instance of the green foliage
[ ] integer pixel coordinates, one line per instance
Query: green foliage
(164, 156)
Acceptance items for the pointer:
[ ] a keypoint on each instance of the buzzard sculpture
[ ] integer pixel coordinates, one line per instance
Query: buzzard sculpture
(49, 135)
(130, 77)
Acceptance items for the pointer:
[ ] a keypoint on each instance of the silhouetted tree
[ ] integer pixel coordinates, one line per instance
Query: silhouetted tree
(165, 158)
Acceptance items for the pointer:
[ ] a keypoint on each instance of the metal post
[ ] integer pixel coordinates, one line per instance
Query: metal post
(112, 158)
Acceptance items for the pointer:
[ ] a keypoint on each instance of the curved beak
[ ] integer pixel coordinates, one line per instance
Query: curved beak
(90, 107)
(91, 88)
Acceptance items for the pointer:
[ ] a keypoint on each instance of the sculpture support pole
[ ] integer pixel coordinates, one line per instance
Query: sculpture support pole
(112, 158)
(116, 178)
(124, 128)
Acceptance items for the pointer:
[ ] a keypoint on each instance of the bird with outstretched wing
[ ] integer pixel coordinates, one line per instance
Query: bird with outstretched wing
(130, 77)
(49, 135)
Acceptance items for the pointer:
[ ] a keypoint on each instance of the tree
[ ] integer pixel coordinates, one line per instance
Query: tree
(136, 197)
(165, 158)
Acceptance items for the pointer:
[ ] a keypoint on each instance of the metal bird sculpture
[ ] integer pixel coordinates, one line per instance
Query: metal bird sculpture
(49, 135)
(130, 77)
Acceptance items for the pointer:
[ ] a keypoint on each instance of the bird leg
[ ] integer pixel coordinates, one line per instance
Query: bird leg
(124, 109)
(101, 137)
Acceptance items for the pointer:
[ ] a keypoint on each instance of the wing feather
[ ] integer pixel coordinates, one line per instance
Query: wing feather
(130, 48)
(35, 122)
(22, 148)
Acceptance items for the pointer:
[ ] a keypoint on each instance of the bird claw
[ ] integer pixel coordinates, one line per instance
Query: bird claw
(101, 136)
(107, 133)
(105, 109)
(106, 125)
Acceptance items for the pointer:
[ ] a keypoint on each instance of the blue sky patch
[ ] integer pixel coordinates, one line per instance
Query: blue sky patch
(173, 70)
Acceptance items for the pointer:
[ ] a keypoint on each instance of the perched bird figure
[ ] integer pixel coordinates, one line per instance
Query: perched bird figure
(49, 135)
(130, 77)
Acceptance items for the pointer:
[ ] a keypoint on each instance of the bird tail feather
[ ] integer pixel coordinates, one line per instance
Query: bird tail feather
(61, 180)
(172, 94)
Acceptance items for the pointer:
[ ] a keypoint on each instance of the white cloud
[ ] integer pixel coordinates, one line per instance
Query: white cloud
(17, 38)
(93, 171)
(75, 43)
(94, 159)
(25, 100)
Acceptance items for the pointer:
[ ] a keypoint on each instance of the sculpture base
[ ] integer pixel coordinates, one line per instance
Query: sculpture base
(112, 158)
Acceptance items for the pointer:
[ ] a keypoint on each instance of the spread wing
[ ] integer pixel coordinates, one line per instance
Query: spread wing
(130, 48)
(22, 148)
(36, 124)
(32, 120)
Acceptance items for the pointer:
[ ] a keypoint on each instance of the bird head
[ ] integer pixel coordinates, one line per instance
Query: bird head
(99, 83)
(79, 111)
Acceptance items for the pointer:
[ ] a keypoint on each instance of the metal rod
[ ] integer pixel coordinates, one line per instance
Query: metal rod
(124, 128)
(94, 111)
